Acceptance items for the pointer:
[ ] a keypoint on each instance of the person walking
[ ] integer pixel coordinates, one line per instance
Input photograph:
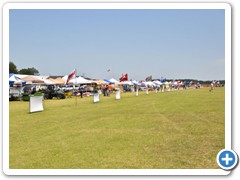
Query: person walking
(211, 90)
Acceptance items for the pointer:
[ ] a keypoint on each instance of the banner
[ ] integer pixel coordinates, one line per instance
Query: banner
(36, 103)
(118, 96)
(96, 97)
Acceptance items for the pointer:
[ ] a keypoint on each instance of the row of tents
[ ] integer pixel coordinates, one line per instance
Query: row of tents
(19, 79)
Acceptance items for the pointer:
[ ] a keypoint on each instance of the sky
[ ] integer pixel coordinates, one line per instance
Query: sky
(173, 44)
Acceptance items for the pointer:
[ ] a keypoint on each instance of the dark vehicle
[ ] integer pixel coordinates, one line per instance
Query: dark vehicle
(52, 91)
(27, 91)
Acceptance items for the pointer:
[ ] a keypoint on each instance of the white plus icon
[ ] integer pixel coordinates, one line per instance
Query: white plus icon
(227, 159)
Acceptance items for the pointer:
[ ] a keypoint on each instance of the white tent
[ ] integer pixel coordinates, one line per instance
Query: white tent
(45, 80)
(158, 82)
(174, 83)
(126, 82)
(136, 83)
(80, 80)
(65, 77)
(13, 79)
(150, 83)
(48, 82)
(21, 75)
(114, 81)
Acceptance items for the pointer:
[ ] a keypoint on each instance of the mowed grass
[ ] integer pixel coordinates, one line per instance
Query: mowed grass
(180, 129)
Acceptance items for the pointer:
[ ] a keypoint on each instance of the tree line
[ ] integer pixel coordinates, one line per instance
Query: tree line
(28, 71)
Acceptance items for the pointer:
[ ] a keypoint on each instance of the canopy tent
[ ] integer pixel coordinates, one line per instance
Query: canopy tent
(20, 76)
(15, 80)
(126, 83)
(113, 81)
(45, 80)
(100, 81)
(174, 83)
(48, 82)
(143, 84)
(60, 80)
(158, 82)
(55, 81)
(12, 77)
(150, 83)
(163, 80)
(80, 80)
(109, 82)
(65, 77)
(135, 83)
(31, 79)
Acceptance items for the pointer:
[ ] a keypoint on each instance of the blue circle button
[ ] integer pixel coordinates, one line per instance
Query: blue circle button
(227, 159)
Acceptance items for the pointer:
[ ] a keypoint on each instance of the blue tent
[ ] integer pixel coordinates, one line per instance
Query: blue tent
(108, 81)
(163, 80)
(15, 80)
(143, 85)
(135, 83)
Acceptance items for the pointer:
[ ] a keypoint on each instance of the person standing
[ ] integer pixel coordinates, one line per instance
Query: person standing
(81, 91)
(109, 89)
(211, 90)
(106, 90)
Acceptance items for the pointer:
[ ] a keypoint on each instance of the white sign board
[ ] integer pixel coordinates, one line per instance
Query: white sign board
(96, 97)
(36, 103)
(118, 96)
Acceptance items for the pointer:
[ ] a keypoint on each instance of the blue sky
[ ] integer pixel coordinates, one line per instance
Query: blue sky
(162, 43)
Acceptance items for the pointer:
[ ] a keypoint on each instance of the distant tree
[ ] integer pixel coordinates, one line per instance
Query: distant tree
(29, 71)
(12, 68)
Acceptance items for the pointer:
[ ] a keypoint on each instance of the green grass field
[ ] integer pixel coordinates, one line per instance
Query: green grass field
(180, 129)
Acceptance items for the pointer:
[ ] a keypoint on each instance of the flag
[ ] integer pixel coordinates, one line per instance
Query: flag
(149, 78)
(70, 76)
(123, 78)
